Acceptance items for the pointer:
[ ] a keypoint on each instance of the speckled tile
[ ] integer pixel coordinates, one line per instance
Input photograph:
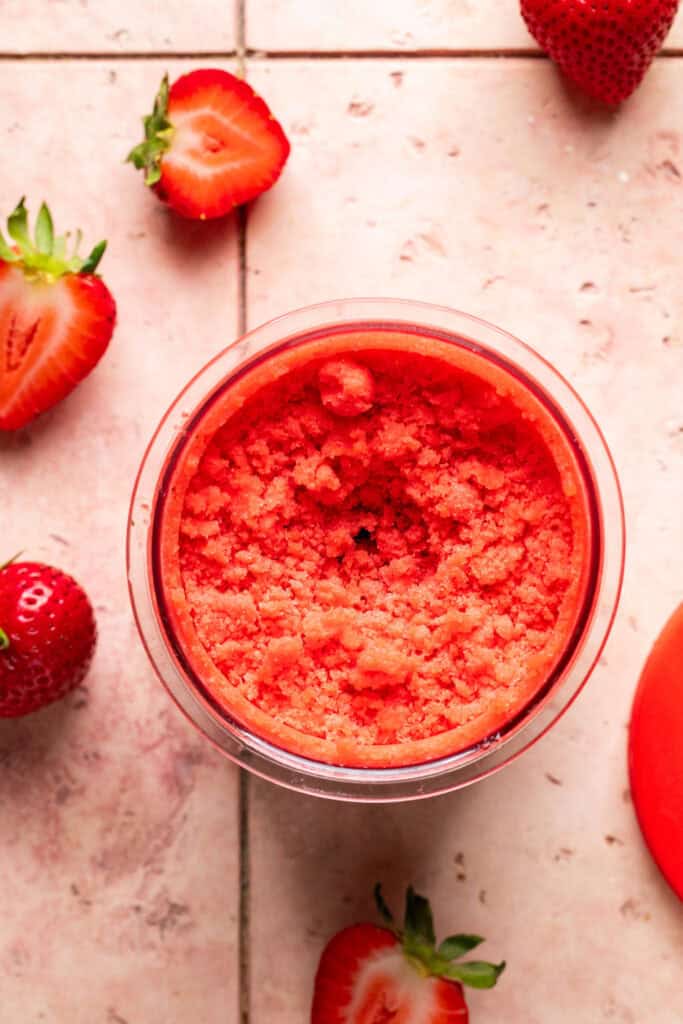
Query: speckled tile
(563, 226)
(393, 25)
(109, 26)
(119, 824)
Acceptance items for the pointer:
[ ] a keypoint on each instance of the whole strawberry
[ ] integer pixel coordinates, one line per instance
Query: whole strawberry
(47, 636)
(210, 144)
(371, 975)
(603, 46)
(56, 317)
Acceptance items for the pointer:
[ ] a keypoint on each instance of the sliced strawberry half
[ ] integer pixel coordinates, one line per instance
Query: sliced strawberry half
(210, 144)
(373, 975)
(56, 317)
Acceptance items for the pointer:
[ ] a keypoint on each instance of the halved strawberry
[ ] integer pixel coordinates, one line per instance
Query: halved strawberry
(372, 975)
(210, 144)
(56, 318)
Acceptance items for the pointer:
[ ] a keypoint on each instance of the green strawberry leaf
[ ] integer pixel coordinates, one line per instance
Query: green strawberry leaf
(17, 225)
(59, 247)
(419, 945)
(46, 257)
(7, 254)
(44, 232)
(158, 135)
(4, 640)
(92, 262)
(138, 155)
(382, 907)
(419, 924)
(456, 946)
(157, 121)
(475, 973)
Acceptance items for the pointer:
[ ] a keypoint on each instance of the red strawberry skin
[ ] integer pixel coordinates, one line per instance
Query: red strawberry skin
(50, 626)
(212, 144)
(227, 147)
(52, 334)
(604, 46)
(364, 977)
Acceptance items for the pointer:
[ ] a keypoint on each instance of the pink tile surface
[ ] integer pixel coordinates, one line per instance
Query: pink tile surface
(481, 184)
(109, 26)
(119, 824)
(564, 227)
(393, 25)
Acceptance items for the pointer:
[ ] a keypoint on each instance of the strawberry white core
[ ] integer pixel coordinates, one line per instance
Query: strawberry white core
(205, 140)
(389, 990)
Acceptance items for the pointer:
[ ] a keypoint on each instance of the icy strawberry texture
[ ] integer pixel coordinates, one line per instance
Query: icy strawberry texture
(376, 558)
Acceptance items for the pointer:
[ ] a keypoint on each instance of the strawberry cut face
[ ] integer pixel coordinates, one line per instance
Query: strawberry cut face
(371, 975)
(211, 144)
(389, 990)
(365, 978)
(56, 318)
(51, 335)
(32, 317)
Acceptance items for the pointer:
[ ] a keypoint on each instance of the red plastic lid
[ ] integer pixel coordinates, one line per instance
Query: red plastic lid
(656, 751)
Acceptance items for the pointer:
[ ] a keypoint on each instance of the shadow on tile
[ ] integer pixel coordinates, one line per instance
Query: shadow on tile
(330, 855)
(70, 416)
(201, 241)
(582, 106)
(29, 743)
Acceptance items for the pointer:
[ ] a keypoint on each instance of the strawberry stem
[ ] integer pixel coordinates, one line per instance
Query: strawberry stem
(11, 561)
(4, 640)
(92, 262)
(17, 225)
(45, 256)
(420, 949)
(158, 137)
(383, 909)
(44, 231)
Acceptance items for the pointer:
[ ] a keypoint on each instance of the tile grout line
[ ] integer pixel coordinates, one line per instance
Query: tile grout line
(120, 55)
(424, 53)
(244, 926)
(427, 53)
(242, 54)
(244, 994)
(241, 34)
(241, 215)
(241, 51)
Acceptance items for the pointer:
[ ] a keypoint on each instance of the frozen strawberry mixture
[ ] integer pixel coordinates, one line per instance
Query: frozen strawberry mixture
(377, 557)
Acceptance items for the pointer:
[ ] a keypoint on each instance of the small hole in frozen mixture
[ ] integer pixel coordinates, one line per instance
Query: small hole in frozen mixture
(363, 537)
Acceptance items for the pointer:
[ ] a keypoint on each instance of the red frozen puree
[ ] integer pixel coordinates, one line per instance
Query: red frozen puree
(374, 548)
